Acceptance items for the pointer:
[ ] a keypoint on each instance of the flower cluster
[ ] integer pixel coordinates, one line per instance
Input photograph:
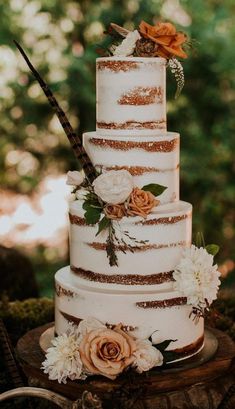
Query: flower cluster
(196, 277)
(117, 196)
(111, 197)
(93, 349)
(161, 40)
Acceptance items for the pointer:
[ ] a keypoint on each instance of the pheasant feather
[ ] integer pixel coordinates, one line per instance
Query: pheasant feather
(75, 141)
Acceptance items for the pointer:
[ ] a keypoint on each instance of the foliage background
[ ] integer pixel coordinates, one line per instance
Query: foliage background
(61, 37)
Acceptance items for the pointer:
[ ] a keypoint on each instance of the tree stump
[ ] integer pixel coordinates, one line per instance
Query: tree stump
(202, 387)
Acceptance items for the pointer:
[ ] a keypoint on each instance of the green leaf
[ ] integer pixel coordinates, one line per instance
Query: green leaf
(163, 345)
(169, 356)
(92, 215)
(103, 224)
(154, 188)
(200, 241)
(212, 249)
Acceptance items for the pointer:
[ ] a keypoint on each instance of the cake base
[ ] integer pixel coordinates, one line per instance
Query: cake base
(200, 387)
(161, 315)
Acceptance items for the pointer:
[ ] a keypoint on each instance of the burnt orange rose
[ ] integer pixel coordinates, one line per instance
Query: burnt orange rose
(107, 352)
(114, 211)
(141, 203)
(169, 41)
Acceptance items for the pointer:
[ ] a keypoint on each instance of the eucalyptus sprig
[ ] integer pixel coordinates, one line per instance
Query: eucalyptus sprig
(110, 246)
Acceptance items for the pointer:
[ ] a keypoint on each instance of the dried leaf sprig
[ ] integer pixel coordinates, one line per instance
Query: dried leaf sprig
(178, 72)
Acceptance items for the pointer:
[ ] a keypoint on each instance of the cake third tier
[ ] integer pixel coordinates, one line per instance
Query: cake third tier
(146, 257)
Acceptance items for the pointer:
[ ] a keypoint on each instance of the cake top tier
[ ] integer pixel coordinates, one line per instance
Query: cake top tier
(131, 96)
(131, 89)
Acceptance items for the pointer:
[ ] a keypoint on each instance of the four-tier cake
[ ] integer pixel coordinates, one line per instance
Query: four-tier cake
(136, 290)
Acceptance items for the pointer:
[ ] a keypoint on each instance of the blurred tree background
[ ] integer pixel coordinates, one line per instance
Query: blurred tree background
(61, 38)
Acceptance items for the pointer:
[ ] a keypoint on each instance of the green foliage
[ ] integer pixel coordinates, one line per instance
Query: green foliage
(21, 316)
(61, 37)
(103, 224)
(212, 249)
(93, 208)
(154, 188)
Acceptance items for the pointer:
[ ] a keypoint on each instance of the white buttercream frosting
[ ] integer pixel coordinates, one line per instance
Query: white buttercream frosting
(113, 307)
(114, 85)
(168, 234)
(148, 165)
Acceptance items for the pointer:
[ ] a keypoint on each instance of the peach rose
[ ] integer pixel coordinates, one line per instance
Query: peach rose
(115, 212)
(166, 37)
(141, 203)
(107, 352)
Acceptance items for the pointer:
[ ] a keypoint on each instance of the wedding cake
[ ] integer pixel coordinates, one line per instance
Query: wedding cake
(135, 281)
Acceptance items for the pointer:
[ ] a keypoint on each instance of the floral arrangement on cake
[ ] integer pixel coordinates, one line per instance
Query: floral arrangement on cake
(111, 197)
(92, 348)
(197, 277)
(161, 40)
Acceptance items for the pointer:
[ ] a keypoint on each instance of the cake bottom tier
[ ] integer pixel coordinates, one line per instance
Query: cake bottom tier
(162, 315)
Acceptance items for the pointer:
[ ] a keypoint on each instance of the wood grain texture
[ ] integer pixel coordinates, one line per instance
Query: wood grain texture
(199, 388)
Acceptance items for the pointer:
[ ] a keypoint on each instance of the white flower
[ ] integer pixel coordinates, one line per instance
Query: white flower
(146, 356)
(127, 46)
(81, 194)
(196, 277)
(75, 178)
(63, 358)
(114, 187)
(88, 325)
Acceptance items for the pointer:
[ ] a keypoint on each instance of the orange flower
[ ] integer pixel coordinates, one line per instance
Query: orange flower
(114, 211)
(141, 203)
(166, 37)
(107, 352)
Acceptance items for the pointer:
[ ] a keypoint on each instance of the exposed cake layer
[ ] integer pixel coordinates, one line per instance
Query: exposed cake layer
(131, 95)
(165, 315)
(148, 259)
(147, 159)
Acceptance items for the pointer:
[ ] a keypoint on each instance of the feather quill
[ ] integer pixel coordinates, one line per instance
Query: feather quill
(120, 30)
(75, 141)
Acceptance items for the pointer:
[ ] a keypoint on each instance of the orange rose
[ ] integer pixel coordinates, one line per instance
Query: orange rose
(114, 211)
(141, 203)
(166, 37)
(107, 352)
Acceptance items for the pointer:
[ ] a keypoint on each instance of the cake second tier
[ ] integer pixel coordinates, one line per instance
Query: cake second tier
(147, 158)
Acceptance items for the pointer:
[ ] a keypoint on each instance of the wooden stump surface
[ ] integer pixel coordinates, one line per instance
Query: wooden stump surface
(202, 387)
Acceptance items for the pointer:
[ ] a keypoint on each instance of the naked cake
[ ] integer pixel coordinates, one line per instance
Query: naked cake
(135, 292)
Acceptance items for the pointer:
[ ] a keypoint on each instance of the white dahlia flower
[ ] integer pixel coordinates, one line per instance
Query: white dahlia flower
(196, 277)
(146, 356)
(127, 46)
(114, 186)
(63, 358)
